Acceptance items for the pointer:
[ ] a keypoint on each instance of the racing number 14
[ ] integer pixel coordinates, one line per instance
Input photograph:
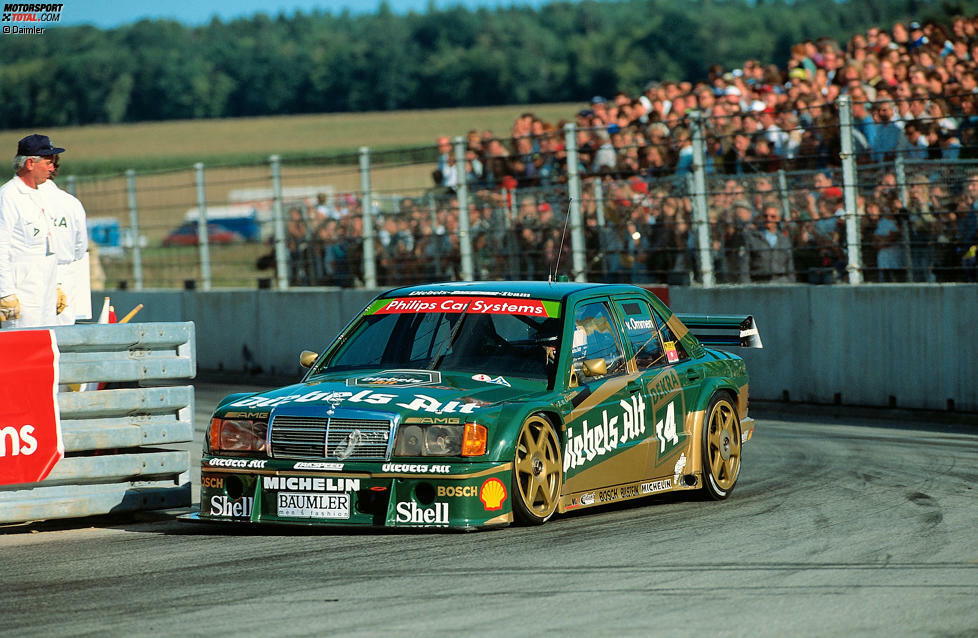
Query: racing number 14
(665, 430)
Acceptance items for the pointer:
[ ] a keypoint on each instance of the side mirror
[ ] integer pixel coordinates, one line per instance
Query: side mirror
(594, 367)
(307, 358)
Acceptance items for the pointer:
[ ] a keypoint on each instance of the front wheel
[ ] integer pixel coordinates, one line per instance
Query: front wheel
(537, 471)
(721, 447)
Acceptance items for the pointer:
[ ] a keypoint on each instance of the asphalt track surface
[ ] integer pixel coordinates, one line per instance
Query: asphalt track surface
(838, 527)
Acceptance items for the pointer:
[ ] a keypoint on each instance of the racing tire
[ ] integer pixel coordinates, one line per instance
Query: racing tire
(721, 447)
(538, 471)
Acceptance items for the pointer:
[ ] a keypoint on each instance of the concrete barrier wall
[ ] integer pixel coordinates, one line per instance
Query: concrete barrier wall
(907, 346)
(117, 443)
(249, 331)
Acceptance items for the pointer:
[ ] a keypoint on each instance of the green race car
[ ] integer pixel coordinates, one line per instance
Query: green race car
(471, 405)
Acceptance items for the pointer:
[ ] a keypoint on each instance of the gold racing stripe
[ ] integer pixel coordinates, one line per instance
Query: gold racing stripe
(600, 394)
(505, 467)
(742, 393)
(362, 475)
(694, 425)
(499, 520)
(678, 328)
(621, 468)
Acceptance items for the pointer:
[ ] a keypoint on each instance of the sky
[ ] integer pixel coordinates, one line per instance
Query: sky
(113, 13)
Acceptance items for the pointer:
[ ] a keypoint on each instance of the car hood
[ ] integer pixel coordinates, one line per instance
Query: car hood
(404, 392)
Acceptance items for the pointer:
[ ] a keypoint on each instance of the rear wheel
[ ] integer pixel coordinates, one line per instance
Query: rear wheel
(721, 447)
(537, 471)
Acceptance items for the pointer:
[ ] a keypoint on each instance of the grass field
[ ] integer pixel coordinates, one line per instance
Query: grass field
(163, 154)
(181, 143)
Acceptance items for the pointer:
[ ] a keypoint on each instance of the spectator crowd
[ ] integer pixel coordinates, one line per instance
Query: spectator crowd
(772, 156)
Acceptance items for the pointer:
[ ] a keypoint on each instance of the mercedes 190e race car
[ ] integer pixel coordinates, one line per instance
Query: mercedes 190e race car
(471, 405)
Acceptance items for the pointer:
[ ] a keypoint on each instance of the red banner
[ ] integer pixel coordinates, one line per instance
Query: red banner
(30, 426)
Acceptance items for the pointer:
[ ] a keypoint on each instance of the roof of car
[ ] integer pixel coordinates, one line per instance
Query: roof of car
(550, 291)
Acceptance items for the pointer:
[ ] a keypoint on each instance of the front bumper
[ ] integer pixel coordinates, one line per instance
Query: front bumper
(406, 493)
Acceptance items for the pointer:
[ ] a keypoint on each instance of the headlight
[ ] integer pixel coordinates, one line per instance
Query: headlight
(441, 440)
(237, 435)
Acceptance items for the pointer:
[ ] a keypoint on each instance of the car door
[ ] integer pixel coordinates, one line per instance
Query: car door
(667, 378)
(674, 392)
(608, 415)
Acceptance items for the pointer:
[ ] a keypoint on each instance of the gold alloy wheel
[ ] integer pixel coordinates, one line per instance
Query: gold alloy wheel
(722, 447)
(537, 471)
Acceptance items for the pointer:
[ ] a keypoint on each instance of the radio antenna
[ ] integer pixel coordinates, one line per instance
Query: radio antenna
(560, 248)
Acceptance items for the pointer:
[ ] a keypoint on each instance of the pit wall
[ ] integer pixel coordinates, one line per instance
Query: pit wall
(905, 346)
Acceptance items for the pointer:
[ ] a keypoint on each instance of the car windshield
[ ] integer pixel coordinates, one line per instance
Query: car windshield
(493, 344)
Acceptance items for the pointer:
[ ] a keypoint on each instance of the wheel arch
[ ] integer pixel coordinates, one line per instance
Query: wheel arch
(555, 420)
(510, 421)
(713, 385)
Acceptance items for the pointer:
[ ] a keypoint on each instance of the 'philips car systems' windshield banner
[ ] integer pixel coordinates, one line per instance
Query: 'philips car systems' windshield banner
(468, 305)
(30, 427)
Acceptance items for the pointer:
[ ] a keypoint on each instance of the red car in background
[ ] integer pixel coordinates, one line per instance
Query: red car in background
(186, 235)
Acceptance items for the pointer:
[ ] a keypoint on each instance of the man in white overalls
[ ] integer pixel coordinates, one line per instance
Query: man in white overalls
(29, 293)
(70, 245)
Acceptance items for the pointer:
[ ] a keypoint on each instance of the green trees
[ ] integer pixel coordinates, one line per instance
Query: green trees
(326, 62)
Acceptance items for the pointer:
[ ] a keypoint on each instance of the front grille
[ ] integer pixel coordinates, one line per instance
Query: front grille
(370, 443)
(298, 437)
(344, 439)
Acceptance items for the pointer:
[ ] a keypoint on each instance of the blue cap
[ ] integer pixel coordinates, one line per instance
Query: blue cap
(39, 145)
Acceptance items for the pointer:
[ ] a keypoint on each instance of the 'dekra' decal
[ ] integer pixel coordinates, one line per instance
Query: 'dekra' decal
(421, 402)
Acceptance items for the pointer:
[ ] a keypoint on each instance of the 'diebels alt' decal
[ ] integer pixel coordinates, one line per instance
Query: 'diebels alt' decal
(588, 441)
(420, 403)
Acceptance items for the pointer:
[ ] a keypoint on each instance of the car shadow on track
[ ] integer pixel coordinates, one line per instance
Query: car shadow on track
(165, 522)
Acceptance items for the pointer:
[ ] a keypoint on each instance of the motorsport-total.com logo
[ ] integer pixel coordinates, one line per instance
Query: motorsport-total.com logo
(29, 15)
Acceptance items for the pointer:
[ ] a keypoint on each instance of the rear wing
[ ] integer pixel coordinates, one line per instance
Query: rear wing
(738, 331)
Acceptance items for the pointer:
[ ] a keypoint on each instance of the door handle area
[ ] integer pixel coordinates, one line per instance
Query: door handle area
(693, 375)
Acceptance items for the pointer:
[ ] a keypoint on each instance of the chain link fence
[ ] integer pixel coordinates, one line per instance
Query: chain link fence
(811, 196)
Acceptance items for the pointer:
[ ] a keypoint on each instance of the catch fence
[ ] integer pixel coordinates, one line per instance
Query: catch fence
(806, 199)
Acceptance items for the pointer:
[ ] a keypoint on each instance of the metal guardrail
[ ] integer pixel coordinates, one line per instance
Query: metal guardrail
(116, 440)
